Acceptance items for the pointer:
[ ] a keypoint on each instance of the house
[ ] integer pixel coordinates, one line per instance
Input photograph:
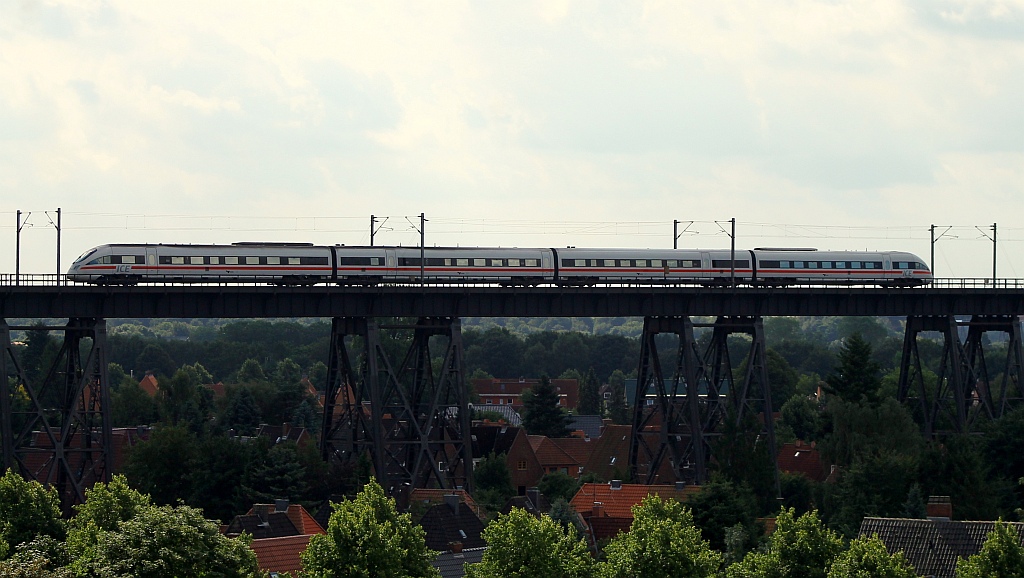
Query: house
(932, 546)
(431, 496)
(507, 413)
(284, 432)
(607, 508)
(509, 392)
(609, 458)
(453, 564)
(579, 449)
(802, 458)
(149, 384)
(552, 458)
(513, 443)
(274, 521)
(279, 555)
(586, 425)
(452, 526)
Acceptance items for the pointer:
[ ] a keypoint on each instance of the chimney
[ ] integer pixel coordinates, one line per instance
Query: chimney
(456, 547)
(598, 510)
(533, 494)
(939, 508)
(280, 505)
(452, 500)
(616, 484)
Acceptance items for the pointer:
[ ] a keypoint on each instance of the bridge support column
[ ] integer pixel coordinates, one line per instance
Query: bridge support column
(411, 419)
(692, 408)
(962, 388)
(56, 424)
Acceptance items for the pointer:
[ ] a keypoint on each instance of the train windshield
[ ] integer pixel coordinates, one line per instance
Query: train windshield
(85, 255)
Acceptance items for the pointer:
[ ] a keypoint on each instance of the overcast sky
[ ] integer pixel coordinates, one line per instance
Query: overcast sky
(839, 125)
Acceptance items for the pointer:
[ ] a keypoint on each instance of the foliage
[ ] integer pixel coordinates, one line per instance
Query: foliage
(493, 481)
(165, 541)
(1001, 556)
(662, 542)
(159, 466)
(957, 468)
(868, 558)
(215, 475)
(278, 475)
(558, 485)
(863, 429)
(590, 395)
(876, 485)
(914, 508)
(541, 413)
(617, 410)
(743, 456)
(803, 416)
(798, 548)
(132, 406)
(106, 506)
(563, 513)
(250, 372)
(242, 413)
(366, 537)
(43, 557)
(721, 505)
(27, 509)
(857, 377)
(522, 546)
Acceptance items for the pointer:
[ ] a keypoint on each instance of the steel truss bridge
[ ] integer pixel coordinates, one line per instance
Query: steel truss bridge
(411, 416)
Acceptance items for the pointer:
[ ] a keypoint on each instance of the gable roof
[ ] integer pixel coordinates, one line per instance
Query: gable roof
(609, 458)
(436, 496)
(497, 439)
(618, 503)
(453, 564)
(300, 518)
(507, 412)
(280, 554)
(273, 525)
(932, 546)
(590, 425)
(443, 526)
(149, 384)
(580, 449)
(549, 454)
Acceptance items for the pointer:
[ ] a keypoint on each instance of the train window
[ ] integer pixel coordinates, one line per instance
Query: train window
(252, 260)
(812, 264)
(215, 260)
(641, 262)
(462, 262)
(273, 260)
(530, 262)
(130, 259)
(513, 262)
(854, 264)
(900, 264)
(580, 263)
(876, 264)
(230, 260)
(293, 260)
(826, 264)
(302, 260)
(431, 261)
(655, 262)
(784, 264)
(691, 264)
(727, 264)
(672, 263)
(497, 262)
(177, 260)
(479, 262)
(195, 260)
(770, 264)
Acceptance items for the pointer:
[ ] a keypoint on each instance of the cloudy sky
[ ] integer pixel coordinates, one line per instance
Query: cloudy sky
(834, 124)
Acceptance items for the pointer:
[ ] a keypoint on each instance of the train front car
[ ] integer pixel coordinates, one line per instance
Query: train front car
(110, 264)
(814, 267)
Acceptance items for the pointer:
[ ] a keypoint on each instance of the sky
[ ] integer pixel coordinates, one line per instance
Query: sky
(828, 124)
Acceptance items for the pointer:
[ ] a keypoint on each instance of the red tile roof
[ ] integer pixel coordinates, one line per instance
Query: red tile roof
(150, 385)
(579, 449)
(619, 503)
(551, 456)
(281, 554)
(300, 518)
(436, 496)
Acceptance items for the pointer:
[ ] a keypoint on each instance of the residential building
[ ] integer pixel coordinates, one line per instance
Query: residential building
(513, 443)
(509, 392)
(607, 508)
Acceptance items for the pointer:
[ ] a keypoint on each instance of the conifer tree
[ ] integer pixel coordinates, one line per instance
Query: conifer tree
(590, 395)
(542, 414)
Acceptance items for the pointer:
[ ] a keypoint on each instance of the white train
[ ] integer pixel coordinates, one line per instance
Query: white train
(305, 263)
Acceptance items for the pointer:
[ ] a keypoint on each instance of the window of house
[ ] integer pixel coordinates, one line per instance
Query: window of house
(521, 465)
(490, 401)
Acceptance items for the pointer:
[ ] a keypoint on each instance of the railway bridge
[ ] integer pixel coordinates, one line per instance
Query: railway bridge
(412, 416)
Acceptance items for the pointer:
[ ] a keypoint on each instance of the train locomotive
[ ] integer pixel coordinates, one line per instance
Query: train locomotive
(307, 264)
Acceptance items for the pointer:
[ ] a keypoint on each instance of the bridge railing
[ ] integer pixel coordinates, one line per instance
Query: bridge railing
(54, 280)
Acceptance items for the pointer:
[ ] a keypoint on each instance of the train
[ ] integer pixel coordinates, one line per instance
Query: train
(307, 264)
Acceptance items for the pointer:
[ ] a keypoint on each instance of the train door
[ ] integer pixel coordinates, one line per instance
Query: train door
(546, 262)
(152, 262)
(705, 265)
(391, 263)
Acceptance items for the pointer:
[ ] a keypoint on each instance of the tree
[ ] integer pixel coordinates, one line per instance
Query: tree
(523, 546)
(590, 395)
(856, 378)
(242, 413)
(617, 410)
(662, 542)
(366, 537)
(278, 476)
(251, 372)
(105, 507)
(914, 508)
(558, 485)
(721, 505)
(131, 406)
(799, 548)
(159, 467)
(868, 558)
(1001, 556)
(493, 481)
(165, 541)
(27, 509)
(541, 413)
(154, 358)
(803, 416)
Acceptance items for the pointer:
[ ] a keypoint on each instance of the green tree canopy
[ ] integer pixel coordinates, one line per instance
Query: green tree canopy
(493, 481)
(367, 538)
(856, 378)
(720, 505)
(557, 485)
(1001, 556)
(27, 509)
(868, 558)
(541, 413)
(590, 395)
(799, 548)
(617, 410)
(662, 542)
(522, 546)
